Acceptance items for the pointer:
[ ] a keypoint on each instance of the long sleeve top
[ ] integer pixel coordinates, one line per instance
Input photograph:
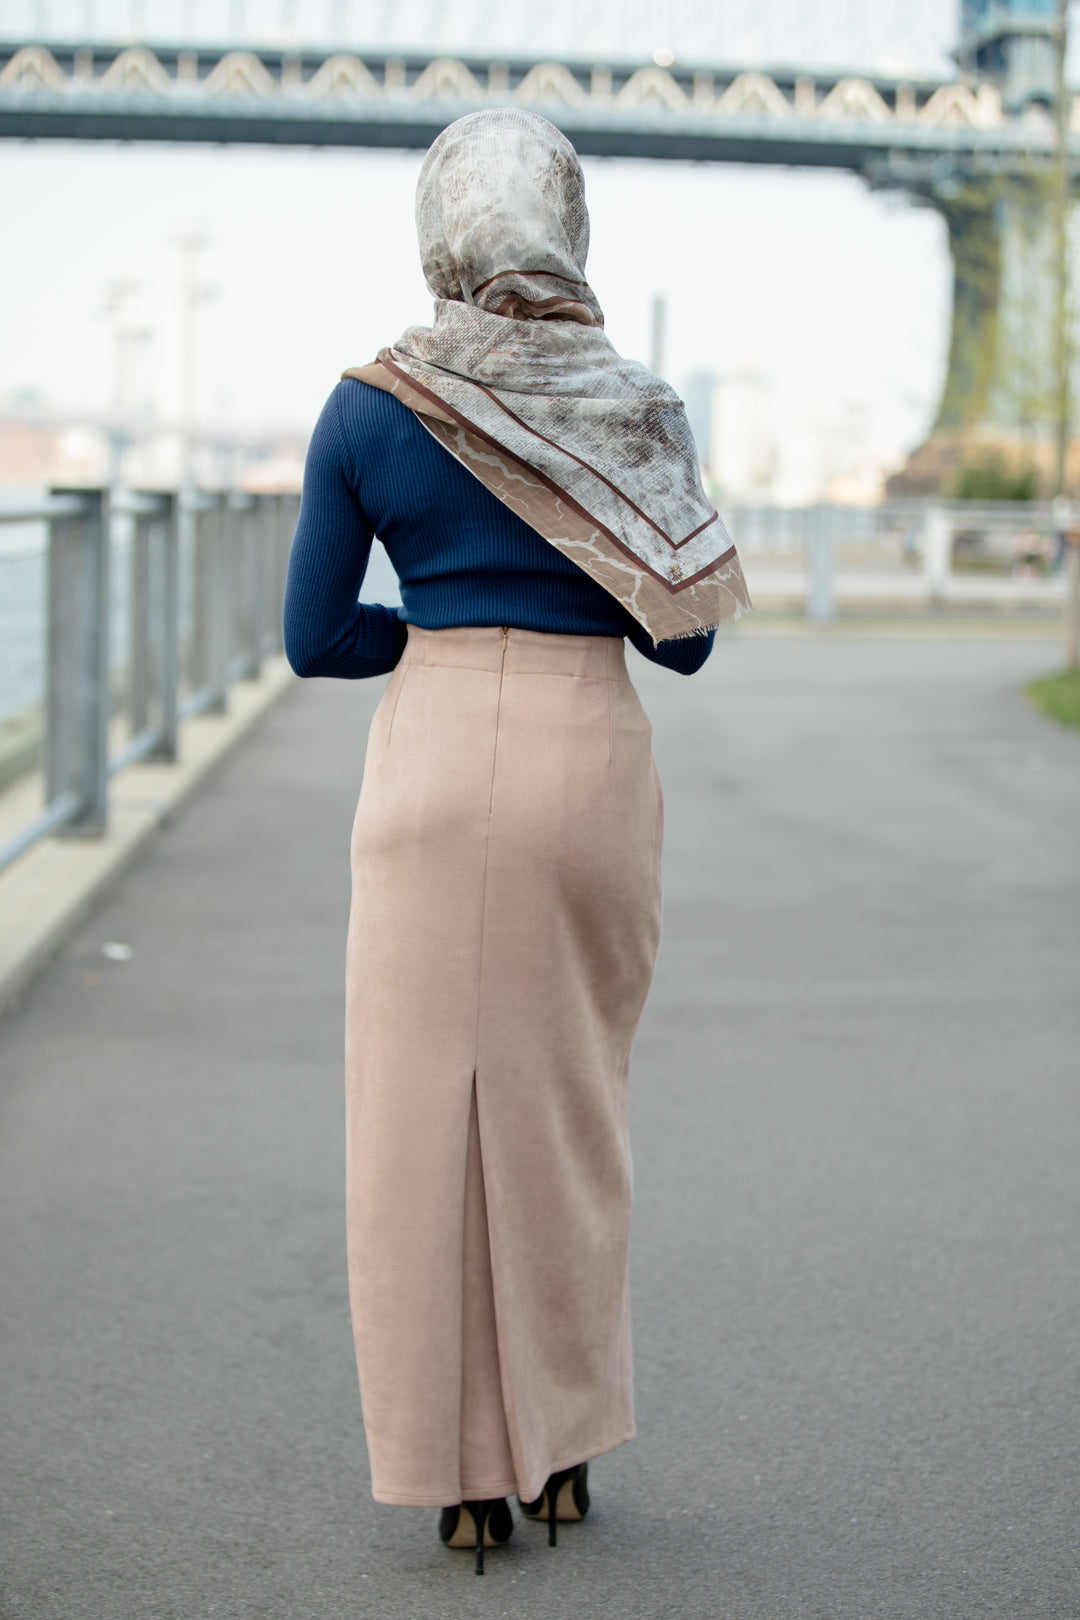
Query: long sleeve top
(461, 556)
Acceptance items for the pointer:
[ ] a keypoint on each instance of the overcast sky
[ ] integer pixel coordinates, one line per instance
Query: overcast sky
(838, 294)
(892, 35)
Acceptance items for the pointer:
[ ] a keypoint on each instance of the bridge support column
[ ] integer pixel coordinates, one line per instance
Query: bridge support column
(997, 413)
(975, 246)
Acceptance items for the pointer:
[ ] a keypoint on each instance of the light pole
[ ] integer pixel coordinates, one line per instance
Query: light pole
(1062, 344)
(129, 403)
(193, 291)
(656, 343)
(1061, 246)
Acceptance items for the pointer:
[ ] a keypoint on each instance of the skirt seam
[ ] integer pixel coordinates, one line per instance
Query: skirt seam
(397, 699)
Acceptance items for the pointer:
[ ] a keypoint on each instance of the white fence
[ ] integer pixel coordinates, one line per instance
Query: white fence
(905, 556)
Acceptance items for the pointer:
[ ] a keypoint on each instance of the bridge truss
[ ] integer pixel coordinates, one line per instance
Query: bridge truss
(890, 130)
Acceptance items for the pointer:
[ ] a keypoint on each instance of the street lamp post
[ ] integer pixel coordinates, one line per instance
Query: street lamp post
(1061, 247)
(1062, 344)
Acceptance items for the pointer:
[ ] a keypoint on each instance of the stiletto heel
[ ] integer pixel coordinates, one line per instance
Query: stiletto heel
(553, 1487)
(479, 1511)
(491, 1522)
(559, 1502)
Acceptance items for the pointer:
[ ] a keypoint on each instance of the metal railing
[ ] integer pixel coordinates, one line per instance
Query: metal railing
(204, 583)
(151, 605)
(927, 553)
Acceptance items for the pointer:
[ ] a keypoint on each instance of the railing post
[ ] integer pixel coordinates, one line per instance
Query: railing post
(169, 671)
(139, 672)
(256, 546)
(820, 591)
(211, 603)
(288, 510)
(245, 576)
(268, 542)
(223, 601)
(1072, 598)
(77, 679)
(275, 542)
(232, 539)
(198, 514)
(937, 552)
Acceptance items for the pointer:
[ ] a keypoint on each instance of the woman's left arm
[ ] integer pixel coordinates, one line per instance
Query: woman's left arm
(327, 630)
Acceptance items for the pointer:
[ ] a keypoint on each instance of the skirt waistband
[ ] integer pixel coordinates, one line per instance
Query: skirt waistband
(518, 652)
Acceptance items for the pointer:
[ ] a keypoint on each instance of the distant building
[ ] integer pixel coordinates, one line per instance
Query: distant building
(742, 445)
(28, 453)
(826, 455)
(749, 458)
(59, 449)
(731, 418)
(697, 397)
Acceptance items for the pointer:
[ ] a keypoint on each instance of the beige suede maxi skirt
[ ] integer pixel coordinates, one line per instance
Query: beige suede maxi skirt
(505, 920)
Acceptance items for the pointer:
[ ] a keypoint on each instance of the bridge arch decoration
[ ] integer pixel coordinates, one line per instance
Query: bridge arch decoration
(37, 80)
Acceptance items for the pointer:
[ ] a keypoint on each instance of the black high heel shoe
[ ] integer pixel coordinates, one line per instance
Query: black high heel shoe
(565, 1497)
(483, 1524)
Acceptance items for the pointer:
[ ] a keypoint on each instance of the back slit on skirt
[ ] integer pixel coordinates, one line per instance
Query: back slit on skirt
(487, 1467)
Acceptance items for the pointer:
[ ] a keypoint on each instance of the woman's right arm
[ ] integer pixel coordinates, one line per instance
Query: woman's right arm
(327, 630)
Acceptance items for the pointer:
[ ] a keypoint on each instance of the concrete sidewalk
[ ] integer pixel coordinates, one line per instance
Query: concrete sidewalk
(49, 889)
(857, 1232)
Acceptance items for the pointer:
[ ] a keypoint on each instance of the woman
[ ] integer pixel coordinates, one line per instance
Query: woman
(539, 499)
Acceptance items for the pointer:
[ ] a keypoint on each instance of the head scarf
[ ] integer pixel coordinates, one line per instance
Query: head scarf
(519, 381)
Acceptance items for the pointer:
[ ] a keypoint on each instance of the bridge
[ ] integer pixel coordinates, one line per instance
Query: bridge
(978, 148)
(881, 128)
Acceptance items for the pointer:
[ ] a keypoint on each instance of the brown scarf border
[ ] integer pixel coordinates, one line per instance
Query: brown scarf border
(667, 608)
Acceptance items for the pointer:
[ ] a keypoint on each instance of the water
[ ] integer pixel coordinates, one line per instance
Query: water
(22, 629)
(24, 611)
(23, 607)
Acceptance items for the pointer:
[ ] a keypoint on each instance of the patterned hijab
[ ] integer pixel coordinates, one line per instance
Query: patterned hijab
(518, 380)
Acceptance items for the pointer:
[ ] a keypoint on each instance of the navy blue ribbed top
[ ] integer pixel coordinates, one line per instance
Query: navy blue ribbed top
(462, 557)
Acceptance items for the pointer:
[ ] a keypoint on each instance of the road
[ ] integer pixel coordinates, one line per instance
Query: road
(856, 1254)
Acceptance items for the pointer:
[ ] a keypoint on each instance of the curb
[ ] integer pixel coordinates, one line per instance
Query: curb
(48, 892)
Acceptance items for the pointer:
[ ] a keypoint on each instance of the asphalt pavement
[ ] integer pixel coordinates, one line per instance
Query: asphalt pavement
(856, 1254)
